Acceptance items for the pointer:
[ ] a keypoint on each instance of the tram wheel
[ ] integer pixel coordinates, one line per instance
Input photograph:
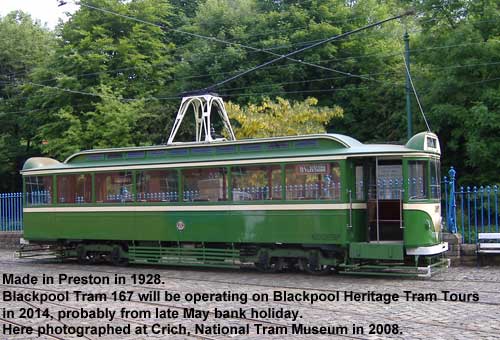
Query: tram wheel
(83, 256)
(115, 257)
(267, 264)
(315, 269)
(272, 267)
(86, 258)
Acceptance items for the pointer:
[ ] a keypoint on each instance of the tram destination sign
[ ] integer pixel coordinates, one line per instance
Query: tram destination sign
(313, 169)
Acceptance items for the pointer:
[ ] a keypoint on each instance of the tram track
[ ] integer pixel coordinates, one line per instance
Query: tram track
(495, 292)
(197, 279)
(248, 320)
(21, 325)
(362, 316)
(134, 321)
(360, 281)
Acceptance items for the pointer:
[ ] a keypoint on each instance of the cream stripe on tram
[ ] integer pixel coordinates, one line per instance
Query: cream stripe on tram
(239, 207)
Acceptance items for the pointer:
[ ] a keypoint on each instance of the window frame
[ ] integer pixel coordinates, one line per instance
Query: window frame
(57, 176)
(279, 166)
(53, 189)
(133, 187)
(172, 170)
(342, 194)
(438, 179)
(406, 177)
(181, 187)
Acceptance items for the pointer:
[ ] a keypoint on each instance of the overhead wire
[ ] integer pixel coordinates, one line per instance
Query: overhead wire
(360, 56)
(211, 38)
(242, 94)
(415, 93)
(263, 85)
(93, 94)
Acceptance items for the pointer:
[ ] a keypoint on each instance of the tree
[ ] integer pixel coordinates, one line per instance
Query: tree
(457, 68)
(24, 44)
(112, 123)
(105, 62)
(281, 118)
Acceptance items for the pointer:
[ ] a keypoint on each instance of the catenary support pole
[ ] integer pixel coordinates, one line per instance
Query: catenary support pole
(409, 118)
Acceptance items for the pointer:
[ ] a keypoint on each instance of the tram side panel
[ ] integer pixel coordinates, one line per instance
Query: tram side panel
(241, 226)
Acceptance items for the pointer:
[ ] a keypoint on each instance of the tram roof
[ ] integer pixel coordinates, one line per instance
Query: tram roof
(247, 149)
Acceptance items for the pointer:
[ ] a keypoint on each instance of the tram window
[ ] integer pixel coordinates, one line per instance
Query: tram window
(417, 179)
(204, 184)
(74, 189)
(435, 179)
(114, 187)
(360, 187)
(157, 186)
(256, 182)
(389, 180)
(313, 181)
(38, 190)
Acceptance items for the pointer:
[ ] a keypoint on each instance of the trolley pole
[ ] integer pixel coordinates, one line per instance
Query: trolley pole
(406, 38)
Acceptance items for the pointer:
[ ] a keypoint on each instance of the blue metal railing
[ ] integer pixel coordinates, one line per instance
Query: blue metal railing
(469, 210)
(11, 211)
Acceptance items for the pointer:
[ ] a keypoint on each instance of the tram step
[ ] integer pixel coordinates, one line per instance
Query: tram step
(376, 250)
(183, 256)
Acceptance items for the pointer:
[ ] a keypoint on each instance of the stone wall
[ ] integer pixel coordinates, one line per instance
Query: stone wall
(10, 239)
(465, 254)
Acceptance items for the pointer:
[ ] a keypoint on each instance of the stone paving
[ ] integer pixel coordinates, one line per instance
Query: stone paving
(414, 319)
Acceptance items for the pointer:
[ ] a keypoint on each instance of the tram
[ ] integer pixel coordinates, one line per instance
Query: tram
(317, 202)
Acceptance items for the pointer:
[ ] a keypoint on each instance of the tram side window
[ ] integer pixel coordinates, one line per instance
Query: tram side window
(113, 187)
(74, 189)
(417, 180)
(435, 179)
(313, 181)
(38, 190)
(256, 182)
(360, 187)
(157, 186)
(204, 184)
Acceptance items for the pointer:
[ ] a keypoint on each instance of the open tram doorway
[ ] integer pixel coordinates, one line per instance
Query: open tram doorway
(385, 199)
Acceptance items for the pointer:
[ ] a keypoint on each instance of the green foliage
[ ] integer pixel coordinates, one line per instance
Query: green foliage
(112, 123)
(483, 143)
(23, 45)
(268, 118)
(460, 84)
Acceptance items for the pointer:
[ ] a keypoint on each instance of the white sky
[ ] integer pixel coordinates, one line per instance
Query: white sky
(44, 10)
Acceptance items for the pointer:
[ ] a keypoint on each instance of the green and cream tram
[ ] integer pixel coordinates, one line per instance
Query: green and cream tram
(314, 202)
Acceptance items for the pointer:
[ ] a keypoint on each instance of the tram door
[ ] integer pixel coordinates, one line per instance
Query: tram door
(385, 199)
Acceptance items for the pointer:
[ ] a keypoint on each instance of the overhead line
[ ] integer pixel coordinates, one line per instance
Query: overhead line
(214, 39)
(270, 84)
(359, 56)
(227, 95)
(415, 93)
(287, 56)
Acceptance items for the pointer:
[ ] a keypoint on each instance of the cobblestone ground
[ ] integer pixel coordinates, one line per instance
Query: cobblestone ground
(416, 320)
